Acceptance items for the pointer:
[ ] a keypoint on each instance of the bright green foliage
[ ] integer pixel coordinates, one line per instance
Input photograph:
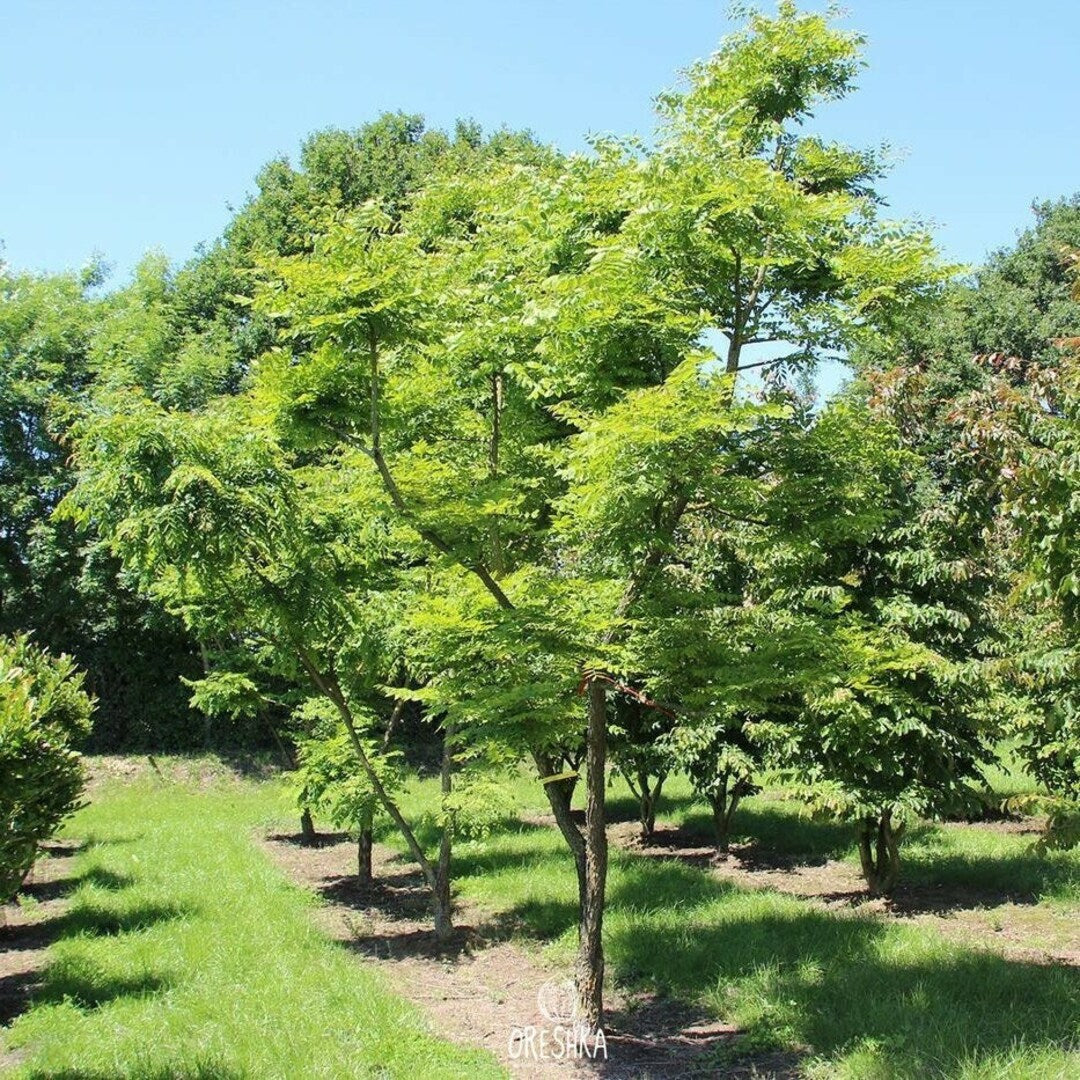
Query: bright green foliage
(521, 361)
(44, 717)
(284, 565)
(284, 561)
(329, 779)
(494, 431)
(772, 231)
(639, 748)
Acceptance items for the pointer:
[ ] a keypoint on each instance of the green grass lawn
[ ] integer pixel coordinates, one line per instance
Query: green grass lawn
(184, 953)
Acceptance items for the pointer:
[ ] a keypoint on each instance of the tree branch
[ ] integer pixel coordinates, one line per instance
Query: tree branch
(398, 499)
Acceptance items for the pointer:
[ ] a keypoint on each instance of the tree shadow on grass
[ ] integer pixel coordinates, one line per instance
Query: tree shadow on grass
(796, 975)
(808, 976)
(402, 895)
(89, 988)
(779, 831)
(36, 977)
(322, 839)
(59, 888)
(1020, 877)
(934, 878)
(99, 921)
(622, 806)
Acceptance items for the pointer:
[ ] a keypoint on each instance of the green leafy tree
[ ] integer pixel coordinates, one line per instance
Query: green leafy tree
(330, 779)
(973, 379)
(640, 751)
(722, 764)
(486, 352)
(61, 586)
(227, 531)
(894, 719)
(1043, 425)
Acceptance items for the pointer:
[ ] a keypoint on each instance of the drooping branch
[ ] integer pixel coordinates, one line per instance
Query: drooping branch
(330, 687)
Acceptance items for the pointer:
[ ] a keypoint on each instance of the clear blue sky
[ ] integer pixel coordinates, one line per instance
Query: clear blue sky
(133, 126)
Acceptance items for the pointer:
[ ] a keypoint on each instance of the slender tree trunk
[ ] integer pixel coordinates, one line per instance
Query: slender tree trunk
(364, 845)
(308, 836)
(560, 794)
(444, 926)
(590, 962)
(724, 806)
(879, 853)
(721, 819)
(208, 730)
(649, 797)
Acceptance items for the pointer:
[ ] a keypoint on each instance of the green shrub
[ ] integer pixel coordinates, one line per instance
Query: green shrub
(44, 714)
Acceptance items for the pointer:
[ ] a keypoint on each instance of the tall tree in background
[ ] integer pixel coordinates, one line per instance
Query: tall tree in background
(64, 588)
(979, 387)
(185, 337)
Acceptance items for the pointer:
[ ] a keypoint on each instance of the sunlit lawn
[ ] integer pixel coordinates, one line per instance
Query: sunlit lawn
(184, 953)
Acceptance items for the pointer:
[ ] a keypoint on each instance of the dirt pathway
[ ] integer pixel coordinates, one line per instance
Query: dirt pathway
(486, 989)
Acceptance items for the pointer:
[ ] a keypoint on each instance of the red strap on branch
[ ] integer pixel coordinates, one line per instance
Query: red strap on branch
(629, 691)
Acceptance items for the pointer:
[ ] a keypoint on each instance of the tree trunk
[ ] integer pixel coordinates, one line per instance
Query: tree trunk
(364, 845)
(590, 961)
(444, 926)
(649, 797)
(560, 794)
(721, 819)
(879, 853)
(724, 806)
(308, 836)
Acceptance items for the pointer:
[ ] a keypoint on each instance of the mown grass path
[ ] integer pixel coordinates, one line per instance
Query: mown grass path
(183, 953)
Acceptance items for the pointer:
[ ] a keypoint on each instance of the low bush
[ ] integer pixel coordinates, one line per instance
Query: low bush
(44, 714)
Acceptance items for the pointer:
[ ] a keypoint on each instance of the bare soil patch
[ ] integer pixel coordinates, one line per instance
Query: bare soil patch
(485, 985)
